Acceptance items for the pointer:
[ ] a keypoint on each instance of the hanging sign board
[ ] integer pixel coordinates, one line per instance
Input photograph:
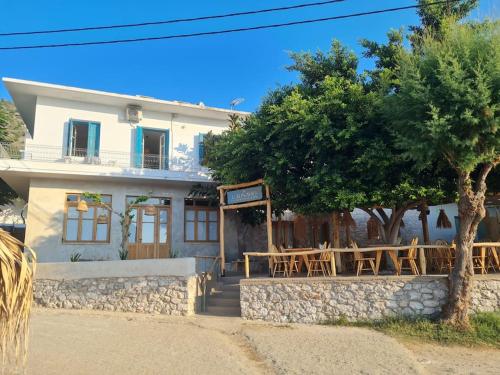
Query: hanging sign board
(244, 195)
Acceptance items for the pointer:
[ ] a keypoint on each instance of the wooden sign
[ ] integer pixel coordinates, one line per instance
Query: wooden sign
(246, 194)
(249, 194)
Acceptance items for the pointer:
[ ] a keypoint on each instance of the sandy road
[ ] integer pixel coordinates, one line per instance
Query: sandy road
(85, 342)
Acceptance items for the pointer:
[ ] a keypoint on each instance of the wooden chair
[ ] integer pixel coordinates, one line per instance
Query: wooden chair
(410, 258)
(435, 256)
(277, 263)
(360, 259)
(292, 267)
(478, 263)
(320, 262)
(492, 258)
(446, 257)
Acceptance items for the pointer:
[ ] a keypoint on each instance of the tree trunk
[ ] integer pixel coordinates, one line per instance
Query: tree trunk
(470, 212)
(336, 239)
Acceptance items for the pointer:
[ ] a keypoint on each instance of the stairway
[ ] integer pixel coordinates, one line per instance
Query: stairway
(224, 300)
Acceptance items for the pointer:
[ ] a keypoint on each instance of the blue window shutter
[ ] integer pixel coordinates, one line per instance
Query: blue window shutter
(166, 148)
(201, 148)
(97, 139)
(69, 141)
(138, 147)
(93, 139)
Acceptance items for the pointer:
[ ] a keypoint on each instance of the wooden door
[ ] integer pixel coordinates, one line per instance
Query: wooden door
(149, 233)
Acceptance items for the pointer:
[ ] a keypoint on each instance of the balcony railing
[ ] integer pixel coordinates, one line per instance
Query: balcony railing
(53, 154)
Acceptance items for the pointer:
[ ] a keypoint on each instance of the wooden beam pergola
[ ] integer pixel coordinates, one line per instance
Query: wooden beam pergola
(242, 203)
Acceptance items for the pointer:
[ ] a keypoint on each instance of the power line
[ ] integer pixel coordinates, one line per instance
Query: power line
(226, 31)
(163, 22)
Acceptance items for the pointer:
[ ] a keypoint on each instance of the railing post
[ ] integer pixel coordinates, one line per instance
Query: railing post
(422, 261)
(247, 267)
(332, 263)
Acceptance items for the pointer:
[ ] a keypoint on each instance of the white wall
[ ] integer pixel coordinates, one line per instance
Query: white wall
(117, 135)
(44, 226)
(119, 268)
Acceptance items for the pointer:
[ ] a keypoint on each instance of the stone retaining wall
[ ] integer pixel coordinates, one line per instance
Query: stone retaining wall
(152, 294)
(317, 300)
(164, 286)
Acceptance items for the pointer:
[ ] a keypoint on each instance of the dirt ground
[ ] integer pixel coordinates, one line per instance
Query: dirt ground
(87, 342)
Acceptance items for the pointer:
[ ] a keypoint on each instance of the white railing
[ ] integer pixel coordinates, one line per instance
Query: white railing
(83, 156)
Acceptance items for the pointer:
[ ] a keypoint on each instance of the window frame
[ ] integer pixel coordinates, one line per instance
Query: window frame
(158, 207)
(207, 209)
(80, 220)
(201, 148)
(97, 140)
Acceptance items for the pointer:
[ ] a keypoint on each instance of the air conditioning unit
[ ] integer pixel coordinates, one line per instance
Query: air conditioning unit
(134, 113)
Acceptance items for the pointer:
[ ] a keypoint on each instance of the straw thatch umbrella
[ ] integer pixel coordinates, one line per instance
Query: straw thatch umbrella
(16, 295)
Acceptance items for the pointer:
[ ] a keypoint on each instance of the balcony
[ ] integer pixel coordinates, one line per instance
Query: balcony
(104, 162)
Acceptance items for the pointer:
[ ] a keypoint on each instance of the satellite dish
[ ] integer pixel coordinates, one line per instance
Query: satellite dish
(236, 102)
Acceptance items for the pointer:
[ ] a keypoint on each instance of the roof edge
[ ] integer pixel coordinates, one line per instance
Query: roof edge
(136, 98)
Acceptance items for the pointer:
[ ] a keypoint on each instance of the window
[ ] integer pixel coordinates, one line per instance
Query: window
(150, 220)
(151, 148)
(83, 138)
(201, 148)
(91, 226)
(201, 221)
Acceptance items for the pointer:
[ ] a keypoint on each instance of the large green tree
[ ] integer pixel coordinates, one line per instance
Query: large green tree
(447, 108)
(324, 146)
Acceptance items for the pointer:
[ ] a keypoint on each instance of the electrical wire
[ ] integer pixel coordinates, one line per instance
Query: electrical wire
(179, 20)
(226, 31)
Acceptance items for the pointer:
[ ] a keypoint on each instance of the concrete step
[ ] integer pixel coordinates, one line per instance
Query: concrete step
(223, 311)
(230, 293)
(229, 287)
(231, 279)
(223, 302)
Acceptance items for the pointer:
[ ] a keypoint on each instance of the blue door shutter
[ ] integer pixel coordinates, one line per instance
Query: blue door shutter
(166, 148)
(138, 147)
(201, 148)
(69, 140)
(93, 139)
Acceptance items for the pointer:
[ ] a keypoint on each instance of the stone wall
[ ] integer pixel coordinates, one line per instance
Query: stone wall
(316, 300)
(164, 286)
(171, 295)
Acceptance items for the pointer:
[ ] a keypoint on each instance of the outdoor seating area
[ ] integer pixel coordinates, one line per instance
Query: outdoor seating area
(383, 259)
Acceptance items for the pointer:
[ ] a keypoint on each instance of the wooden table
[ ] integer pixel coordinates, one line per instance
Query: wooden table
(483, 255)
(303, 259)
(393, 254)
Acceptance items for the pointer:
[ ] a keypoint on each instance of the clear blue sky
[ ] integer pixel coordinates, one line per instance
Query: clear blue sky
(212, 69)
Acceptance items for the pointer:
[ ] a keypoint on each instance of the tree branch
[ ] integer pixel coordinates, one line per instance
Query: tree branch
(481, 180)
(383, 215)
(372, 214)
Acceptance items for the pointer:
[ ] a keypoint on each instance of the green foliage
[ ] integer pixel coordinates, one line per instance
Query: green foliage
(485, 329)
(3, 125)
(175, 253)
(432, 17)
(205, 191)
(448, 102)
(12, 128)
(314, 68)
(75, 257)
(123, 254)
(386, 57)
(6, 193)
(323, 144)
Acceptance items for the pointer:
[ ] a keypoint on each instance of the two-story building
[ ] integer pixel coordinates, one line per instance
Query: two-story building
(119, 146)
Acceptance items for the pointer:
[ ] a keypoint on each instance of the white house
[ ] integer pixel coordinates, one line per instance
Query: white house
(120, 146)
(124, 146)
